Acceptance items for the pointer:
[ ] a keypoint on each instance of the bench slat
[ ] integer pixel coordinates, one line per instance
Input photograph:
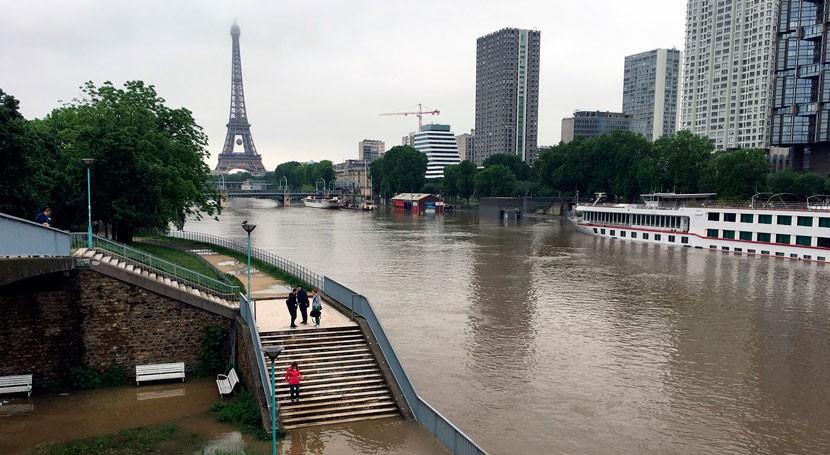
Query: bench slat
(154, 372)
(17, 383)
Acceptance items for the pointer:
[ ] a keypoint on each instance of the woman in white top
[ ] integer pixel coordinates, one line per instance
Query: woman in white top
(316, 307)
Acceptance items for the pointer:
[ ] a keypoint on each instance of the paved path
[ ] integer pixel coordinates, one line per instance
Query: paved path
(269, 295)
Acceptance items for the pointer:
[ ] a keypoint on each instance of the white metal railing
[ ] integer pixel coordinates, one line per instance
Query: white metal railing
(250, 320)
(160, 267)
(23, 238)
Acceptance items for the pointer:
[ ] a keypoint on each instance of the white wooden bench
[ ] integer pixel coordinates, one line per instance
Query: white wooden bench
(14, 384)
(227, 383)
(159, 371)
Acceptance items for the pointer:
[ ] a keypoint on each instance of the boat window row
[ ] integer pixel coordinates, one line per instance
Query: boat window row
(643, 235)
(783, 220)
(635, 219)
(766, 237)
(781, 254)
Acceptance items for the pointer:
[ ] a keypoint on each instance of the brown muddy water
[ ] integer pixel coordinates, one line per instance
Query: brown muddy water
(533, 338)
(26, 423)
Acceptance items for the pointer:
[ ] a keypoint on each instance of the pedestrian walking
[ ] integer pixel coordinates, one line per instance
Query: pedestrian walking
(293, 377)
(302, 299)
(316, 307)
(45, 217)
(291, 302)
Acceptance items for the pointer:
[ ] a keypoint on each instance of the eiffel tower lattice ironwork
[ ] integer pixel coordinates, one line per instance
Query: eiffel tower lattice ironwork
(239, 130)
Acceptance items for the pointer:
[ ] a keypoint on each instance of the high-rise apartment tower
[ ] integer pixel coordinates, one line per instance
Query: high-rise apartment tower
(507, 94)
(370, 149)
(651, 89)
(727, 71)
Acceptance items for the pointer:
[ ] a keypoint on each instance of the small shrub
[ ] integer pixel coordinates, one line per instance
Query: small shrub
(212, 355)
(242, 412)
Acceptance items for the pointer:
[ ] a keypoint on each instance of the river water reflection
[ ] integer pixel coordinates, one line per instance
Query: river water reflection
(536, 339)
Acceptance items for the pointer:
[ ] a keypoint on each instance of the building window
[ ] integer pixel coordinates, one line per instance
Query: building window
(763, 237)
(714, 216)
(750, 251)
(622, 233)
(785, 220)
(765, 219)
(782, 238)
(725, 248)
(805, 221)
(824, 222)
(595, 230)
(803, 240)
(613, 232)
(823, 242)
(744, 235)
(729, 217)
(712, 233)
(728, 234)
(633, 235)
(602, 231)
(672, 238)
(779, 254)
(645, 235)
(739, 250)
(807, 257)
(765, 252)
(820, 258)
(657, 237)
(793, 255)
(684, 240)
(747, 218)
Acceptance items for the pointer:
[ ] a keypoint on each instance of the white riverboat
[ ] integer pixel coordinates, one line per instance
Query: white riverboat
(322, 202)
(782, 229)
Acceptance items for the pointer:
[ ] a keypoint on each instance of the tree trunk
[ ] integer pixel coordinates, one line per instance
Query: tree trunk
(123, 233)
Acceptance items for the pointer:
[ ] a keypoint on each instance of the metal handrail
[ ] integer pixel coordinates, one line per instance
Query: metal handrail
(450, 435)
(289, 267)
(175, 272)
(250, 320)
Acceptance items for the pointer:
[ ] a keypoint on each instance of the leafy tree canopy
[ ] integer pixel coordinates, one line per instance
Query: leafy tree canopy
(519, 168)
(401, 169)
(149, 167)
(495, 181)
(460, 179)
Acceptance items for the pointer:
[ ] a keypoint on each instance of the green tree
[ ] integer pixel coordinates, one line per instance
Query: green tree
(676, 163)
(401, 169)
(495, 181)
(460, 179)
(519, 168)
(149, 168)
(25, 175)
(289, 170)
(801, 185)
(736, 174)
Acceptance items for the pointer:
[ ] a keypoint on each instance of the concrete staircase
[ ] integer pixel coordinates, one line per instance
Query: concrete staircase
(105, 257)
(341, 378)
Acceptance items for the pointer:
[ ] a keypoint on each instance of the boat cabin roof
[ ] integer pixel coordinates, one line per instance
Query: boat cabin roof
(654, 196)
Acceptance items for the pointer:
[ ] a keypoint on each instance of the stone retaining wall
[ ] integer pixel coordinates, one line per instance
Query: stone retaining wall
(53, 323)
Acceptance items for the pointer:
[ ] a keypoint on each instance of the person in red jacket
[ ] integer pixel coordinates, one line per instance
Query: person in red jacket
(293, 377)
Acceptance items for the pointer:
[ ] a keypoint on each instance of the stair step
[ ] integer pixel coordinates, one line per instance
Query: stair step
(321, 339)
(294, 413)
(342, 420)
(368, 364)
(331, 386)
(305, 404)
(320, 397)
(333, 380)
(324, 359)
(348, 328)
(330, 364)
(307, 376)
(293, 349)
(323, 417)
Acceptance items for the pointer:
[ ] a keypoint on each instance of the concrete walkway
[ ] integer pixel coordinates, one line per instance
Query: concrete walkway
(269, 295)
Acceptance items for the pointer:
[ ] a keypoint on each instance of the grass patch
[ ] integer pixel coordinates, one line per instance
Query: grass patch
(242, 412)
(180, 258)
(160, 439)
(264, 267)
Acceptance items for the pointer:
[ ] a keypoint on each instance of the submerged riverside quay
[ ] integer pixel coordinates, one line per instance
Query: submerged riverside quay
(784, 230)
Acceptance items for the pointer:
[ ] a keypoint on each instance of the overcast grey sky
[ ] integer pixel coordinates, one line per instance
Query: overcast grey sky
(317, 73)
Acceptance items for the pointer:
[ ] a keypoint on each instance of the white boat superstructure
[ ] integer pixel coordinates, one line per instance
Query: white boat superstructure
(784, 230)
(322, 202)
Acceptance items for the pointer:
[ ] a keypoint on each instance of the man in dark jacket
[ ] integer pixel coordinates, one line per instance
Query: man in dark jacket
(302, 298)
(292, 306)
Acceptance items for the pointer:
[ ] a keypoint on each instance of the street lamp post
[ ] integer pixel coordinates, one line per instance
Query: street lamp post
(88, 163)
(272, 352)
(249, 228)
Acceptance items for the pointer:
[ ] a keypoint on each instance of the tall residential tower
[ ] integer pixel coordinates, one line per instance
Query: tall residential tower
(370, 149)
(801, 101)
(507, 94)
(651, 87)
(727, 71)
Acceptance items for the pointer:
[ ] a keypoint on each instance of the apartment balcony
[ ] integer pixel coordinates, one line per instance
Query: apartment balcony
(810, 71)
(812, 32)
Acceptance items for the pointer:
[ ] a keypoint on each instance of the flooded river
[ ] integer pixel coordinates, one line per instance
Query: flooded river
(535, 339)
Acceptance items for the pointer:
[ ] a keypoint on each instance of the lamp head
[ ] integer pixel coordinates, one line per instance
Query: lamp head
(272, 352)
(248, 227)
(88, 161)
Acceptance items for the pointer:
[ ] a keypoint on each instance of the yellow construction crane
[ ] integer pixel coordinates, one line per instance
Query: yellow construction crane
(420, 113)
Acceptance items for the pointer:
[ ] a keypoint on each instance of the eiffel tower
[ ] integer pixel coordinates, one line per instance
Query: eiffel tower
(239, 130)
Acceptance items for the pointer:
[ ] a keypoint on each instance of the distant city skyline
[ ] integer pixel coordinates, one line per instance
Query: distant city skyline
(317, 74)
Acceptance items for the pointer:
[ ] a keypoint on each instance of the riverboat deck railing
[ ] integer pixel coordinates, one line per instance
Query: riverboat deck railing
(737, 205)
(160, 267)
(289, 267)
(450, 435)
